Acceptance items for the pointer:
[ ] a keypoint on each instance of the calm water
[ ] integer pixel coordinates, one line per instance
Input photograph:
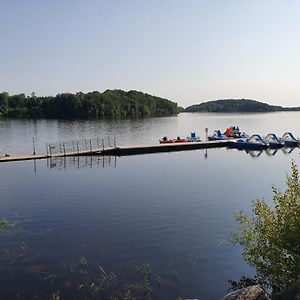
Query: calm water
(173, 211)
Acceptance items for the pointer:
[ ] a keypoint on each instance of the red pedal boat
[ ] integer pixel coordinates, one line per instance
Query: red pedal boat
(165, 140)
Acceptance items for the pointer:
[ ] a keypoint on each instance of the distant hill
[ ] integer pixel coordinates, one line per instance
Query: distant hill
(236, 105)
(109, 104)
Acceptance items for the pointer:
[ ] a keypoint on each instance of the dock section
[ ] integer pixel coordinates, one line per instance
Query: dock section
(144, 149)
(123, 150)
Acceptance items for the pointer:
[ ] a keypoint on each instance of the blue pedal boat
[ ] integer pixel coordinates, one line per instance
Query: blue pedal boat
(218, 135)
(193, 138)
(255, 142)
(289, 140)
(274, 141)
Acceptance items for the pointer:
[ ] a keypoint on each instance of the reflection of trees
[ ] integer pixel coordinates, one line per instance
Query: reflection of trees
(271, 236)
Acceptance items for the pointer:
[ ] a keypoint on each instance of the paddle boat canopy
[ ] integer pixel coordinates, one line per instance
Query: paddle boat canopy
(255, 142)
(274, 141)
(289, 140)
(234, 132)
(193, 138)
(218, 135)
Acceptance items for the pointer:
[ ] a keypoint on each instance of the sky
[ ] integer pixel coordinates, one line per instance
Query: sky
(187, 51)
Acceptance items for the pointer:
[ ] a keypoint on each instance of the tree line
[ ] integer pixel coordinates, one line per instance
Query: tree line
(236, 105)
(111, 103)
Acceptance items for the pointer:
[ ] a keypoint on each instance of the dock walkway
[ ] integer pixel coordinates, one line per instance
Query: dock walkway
(123, 150)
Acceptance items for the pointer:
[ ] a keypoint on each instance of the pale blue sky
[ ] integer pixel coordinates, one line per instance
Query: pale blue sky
(188, 51)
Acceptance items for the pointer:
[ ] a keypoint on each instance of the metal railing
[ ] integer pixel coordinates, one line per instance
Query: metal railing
(81, 146)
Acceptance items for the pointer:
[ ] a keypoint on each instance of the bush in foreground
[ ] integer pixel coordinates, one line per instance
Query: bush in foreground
(270, 237)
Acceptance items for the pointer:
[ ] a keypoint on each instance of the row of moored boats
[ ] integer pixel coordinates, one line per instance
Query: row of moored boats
(192, 138)
(241, 140)
(256, 142)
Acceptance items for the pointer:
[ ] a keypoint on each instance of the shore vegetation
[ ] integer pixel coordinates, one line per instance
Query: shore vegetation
(270, 237)
(236, 105)
(111, 103)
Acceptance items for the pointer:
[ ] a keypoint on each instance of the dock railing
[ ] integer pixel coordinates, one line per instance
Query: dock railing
(81, 146)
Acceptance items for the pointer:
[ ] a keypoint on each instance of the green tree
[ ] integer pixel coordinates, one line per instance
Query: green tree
(3, 103)
(111, 103)
(270, 237)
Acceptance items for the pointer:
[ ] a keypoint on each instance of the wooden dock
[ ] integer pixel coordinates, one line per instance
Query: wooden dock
(124, 150)
(144, 149)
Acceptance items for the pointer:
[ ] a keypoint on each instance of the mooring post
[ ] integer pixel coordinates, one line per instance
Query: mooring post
(115, 142)
(47, 149)
(85, 144)
(64, 146)
(103, 144)
(33, 144)
(91, 145)
(50, 150)
(206, 133)
(98, 143)
(60, 148)
(77, 147)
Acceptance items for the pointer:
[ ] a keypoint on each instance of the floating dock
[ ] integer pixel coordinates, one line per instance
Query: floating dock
(124, 150)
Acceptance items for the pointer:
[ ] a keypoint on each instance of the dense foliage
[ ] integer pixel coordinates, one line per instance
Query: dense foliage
(271, 236)
(111, 103)
(236, 105)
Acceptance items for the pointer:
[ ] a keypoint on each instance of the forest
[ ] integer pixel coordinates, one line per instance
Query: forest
(109, 104)
(236, 105)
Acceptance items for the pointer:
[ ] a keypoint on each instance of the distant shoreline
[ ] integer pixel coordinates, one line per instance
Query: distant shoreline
(236, 106)
(236, 112)
(92, 105)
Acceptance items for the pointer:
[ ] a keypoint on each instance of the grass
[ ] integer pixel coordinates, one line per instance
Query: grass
(82, 278)
(5, 225)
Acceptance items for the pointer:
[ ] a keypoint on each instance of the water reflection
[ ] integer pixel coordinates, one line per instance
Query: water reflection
(288, 150)
(254, 153)
(79, 162)
(269, 152)
(171, 210)
(62, 163)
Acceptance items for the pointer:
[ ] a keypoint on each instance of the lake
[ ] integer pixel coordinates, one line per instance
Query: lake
(156, 223)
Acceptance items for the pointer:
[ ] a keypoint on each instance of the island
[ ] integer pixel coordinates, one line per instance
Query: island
(111, 103)
(236, 105)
